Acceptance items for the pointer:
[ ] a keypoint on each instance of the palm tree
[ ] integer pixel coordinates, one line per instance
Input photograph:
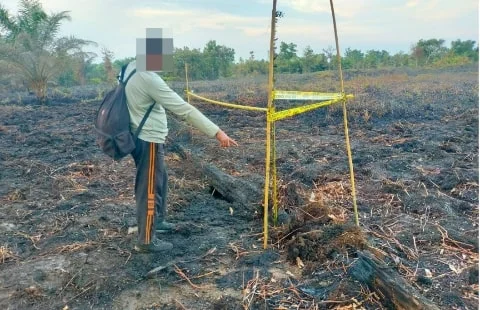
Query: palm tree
(29, 43)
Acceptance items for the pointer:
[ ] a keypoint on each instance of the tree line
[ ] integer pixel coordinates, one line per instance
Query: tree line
(424, 53)
(32, 52)
(216, 61)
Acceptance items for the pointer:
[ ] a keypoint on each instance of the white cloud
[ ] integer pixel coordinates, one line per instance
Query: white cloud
(343, 8)
(200, 18)
(254, 31)
(439, 11)
(412, 3)
(372, 24)
(308, 6)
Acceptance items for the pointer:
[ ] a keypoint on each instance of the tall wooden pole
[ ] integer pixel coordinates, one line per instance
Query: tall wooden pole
(345, 119)
(186, 81)
(269, 126)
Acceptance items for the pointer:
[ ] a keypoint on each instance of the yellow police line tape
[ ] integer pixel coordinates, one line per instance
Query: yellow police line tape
(225, 104)
(304, 95)
(275, 116)
(272, 115)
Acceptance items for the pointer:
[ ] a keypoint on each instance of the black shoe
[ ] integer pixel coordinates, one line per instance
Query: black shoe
(156, 245)
(164, 227)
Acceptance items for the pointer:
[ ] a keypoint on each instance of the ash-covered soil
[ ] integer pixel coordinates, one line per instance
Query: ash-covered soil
(67, 211)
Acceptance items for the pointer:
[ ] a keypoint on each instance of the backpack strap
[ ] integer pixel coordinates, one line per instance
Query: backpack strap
(130, 75)
(144, 119)
(122, 73)
(121, 76)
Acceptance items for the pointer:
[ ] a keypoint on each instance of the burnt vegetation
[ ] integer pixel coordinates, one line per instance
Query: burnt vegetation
(67, 220)
(68, 213)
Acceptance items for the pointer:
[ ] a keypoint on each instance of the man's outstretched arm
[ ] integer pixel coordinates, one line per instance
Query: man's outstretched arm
(170, 100)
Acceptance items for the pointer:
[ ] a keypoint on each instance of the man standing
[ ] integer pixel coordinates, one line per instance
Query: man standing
(144, 88)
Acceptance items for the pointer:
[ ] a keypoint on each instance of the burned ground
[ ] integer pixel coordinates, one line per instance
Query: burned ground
(67, 211)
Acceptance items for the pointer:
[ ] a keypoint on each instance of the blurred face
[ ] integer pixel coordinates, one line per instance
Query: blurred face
(155, 52)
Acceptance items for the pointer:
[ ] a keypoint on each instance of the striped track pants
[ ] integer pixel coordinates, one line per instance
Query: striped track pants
(150, 187)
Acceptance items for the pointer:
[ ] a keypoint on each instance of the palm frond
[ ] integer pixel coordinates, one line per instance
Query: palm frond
(31, 15)
(51, 25)
(7, 25)
(71, 44)
(48, 29)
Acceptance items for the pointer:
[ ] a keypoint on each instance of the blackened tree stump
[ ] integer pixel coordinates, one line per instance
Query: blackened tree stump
(395, 292)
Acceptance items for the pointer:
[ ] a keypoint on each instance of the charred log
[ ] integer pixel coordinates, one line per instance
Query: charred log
(394, 291)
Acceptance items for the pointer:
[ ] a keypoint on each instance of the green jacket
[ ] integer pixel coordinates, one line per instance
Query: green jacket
(142, 90)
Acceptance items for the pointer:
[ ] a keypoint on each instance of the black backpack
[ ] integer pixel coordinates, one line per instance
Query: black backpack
(113, 122)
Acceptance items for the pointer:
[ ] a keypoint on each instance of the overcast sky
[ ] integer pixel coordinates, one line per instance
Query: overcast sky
(393, 25)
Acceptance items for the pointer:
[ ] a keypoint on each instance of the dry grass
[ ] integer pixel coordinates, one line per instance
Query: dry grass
(463, 188)
(327, 202)
(31, 293)
(16, 195)
(333, 196)
(73, 178)
(6, 254)
(320, 213)
(8, 109)
(389, 140)
(284, 295)
(262, 291)
(337, 191)
(77, 246)
(391, 186)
